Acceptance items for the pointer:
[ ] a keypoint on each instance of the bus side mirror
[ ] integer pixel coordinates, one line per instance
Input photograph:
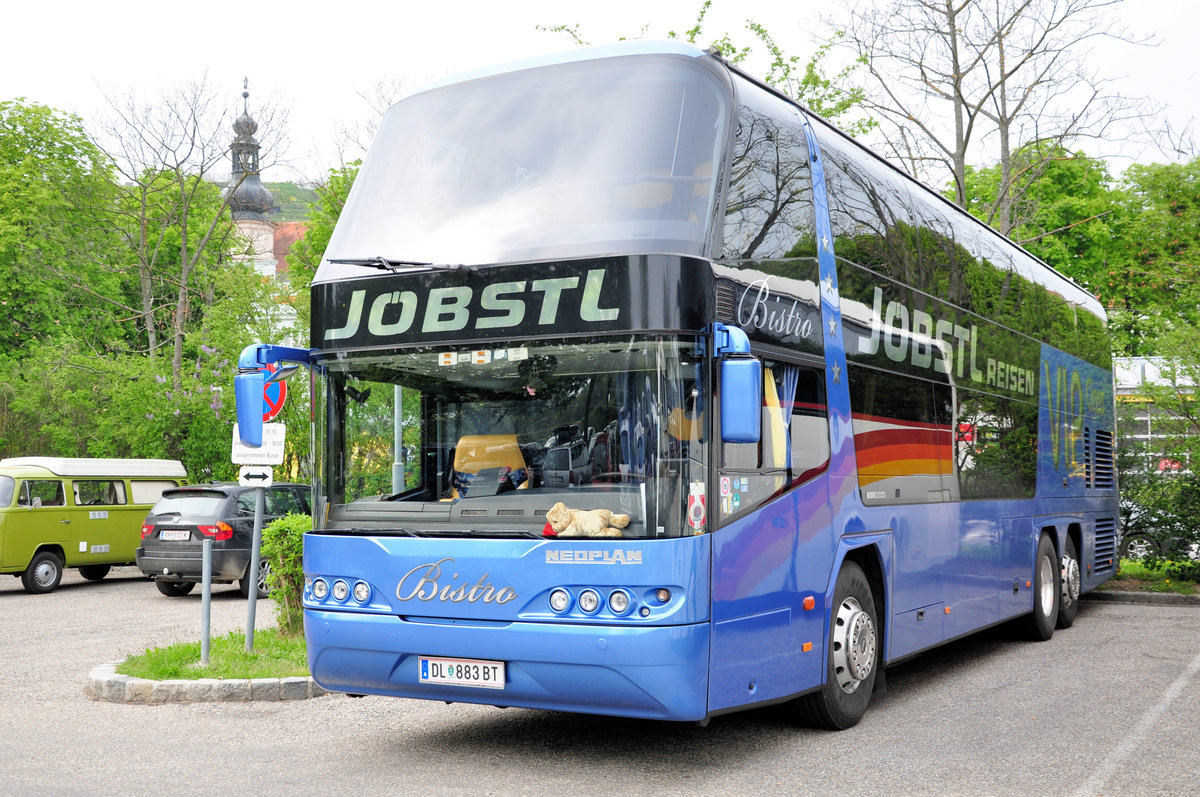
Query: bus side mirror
(248, 393)
(741, 400)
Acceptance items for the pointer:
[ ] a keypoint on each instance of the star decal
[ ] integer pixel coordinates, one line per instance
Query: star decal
(825, 243)
(837, 373)
(833, 327)
(828, 284)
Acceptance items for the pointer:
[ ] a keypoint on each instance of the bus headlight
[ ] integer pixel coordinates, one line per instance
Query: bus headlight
(320, 589)
(340, 590)
(362, 592)
(589, 600)
(618, 602)
(560, 600)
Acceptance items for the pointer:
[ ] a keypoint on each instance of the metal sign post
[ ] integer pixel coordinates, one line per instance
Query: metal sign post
(256, 472)
(252, 568)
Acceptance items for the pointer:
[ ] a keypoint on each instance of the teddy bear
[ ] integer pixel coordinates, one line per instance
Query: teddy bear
(584, 522)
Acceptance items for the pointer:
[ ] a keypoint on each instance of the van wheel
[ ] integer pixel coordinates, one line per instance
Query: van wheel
(43, 574)
(94, 572)
(175, 589)
(264, 570)
(853, 656)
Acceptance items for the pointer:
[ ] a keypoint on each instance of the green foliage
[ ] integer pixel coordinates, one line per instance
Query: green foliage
(292, 200)
(305, 255)
(276, 655)
(51, 179)
(283, 545)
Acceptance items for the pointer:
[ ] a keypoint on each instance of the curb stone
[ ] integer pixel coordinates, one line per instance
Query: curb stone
(1156, 598)
(105, 684)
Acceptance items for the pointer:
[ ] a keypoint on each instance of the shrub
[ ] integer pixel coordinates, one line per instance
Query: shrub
(283, 545)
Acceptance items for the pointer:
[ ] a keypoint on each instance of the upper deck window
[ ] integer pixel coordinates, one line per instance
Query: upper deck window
(612, 156)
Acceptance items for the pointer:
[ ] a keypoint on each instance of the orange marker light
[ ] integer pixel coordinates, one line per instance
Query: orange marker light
(807, 647)
(809, 603)
(1028, 583)
(947, 610)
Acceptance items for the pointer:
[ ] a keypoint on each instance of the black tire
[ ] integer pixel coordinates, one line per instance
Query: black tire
(852, 657)
(1138, 546)
(1070, 578)
(43, 574)
(264, 570)
(1046, 592)
(175, 589)
(94, 572)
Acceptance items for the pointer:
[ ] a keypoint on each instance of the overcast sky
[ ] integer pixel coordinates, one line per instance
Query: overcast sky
(317, 59)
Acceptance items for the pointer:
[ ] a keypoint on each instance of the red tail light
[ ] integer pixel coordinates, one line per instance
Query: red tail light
(147, 530)
(221, 531)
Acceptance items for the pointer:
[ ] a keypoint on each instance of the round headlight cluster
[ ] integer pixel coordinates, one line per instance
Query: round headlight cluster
(590, 600)
(340, 591)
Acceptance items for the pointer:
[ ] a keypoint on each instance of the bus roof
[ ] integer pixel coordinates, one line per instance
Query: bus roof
(66, 466)
(591, 53)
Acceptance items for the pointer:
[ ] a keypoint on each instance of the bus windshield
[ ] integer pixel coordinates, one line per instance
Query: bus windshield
(540, 164)
(451, 441)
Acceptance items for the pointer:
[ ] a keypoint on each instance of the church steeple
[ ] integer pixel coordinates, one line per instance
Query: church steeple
(248, 197)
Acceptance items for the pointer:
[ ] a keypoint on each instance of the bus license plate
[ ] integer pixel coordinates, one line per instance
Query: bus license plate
(461, 672)
(175, 535)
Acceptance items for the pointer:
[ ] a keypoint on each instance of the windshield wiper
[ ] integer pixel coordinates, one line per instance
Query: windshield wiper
(485, 533)
(395, 265)
(378, 262)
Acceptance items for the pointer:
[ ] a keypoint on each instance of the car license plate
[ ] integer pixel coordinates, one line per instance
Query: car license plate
(174, 535)
(461, 672)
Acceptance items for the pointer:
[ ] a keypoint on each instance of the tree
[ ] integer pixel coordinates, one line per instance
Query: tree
(50, 174)
(1008, 76)
(174, 219)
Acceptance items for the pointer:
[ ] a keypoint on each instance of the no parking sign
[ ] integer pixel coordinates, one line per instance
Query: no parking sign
(274, 394)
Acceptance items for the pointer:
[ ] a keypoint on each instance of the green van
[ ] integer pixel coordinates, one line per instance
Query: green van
(86, 513)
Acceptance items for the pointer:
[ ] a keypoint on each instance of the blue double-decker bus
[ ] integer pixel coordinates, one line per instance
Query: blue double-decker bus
(639, 390)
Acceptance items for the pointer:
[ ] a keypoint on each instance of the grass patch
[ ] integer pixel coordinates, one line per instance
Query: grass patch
(274, 656)
(1156, 576)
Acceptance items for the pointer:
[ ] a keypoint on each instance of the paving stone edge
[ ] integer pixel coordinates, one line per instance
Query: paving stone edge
(106, 684)
(1157, 598)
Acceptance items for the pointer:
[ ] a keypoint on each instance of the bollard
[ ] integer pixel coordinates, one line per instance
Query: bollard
(206, 602)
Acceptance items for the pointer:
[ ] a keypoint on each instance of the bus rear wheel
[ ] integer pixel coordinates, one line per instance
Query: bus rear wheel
(852, 657)
(1046, 594)
(1068, 605)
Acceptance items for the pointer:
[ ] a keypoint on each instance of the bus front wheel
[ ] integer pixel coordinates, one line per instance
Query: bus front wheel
(1046, 597)
(852, 659)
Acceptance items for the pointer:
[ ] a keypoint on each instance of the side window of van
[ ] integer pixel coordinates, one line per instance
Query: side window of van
(148, 492)
(42, 493)
(99, 493)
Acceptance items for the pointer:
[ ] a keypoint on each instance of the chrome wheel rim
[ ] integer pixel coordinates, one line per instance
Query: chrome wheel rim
(1045, 586)
(853, 645)
(1070, 580)
(43, 574)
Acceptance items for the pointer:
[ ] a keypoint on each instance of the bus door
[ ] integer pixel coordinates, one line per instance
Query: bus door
(772, 547)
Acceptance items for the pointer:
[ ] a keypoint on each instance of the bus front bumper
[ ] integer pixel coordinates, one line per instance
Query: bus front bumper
(653, 672)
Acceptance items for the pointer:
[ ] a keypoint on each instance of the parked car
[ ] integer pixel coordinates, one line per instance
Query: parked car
(1151, 534)
(175, 528)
